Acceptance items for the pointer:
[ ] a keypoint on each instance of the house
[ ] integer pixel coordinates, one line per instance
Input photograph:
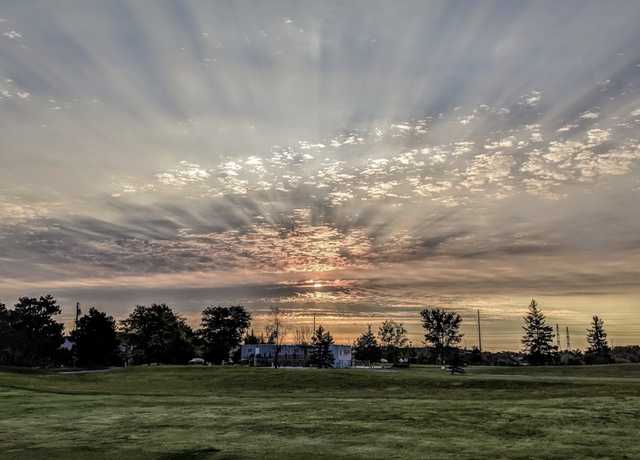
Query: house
(68, 343)
(342, 356)
(262, 355)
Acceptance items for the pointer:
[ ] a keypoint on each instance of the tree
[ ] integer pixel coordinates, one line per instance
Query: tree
(476, 356)
(96, 342)
(6, 336)
(538, 336)
(276, 334)
(157, 335)
(442, 330)
(366, 347)
(321, 355)
(302, 339)
(37, 336)
(252, 339)
(302, 334)
(393, 336)
(598, 351)
(222, 329)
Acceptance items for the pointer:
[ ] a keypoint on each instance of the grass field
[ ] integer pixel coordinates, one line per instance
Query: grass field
(210, 412)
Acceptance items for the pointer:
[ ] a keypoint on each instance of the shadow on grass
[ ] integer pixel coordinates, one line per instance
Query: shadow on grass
(191, 454)
(96, 454)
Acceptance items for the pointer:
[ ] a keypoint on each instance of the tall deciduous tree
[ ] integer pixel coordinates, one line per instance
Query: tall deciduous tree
(366, 347)
(321, 355)
(222, 329)
(276, 333)
(37, 336)
(442, 329)
(538, 336)
(96, 342)
(393, 336)
(599, 350)
(157, 335)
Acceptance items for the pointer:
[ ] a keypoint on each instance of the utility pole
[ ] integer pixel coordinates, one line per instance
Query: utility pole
(479, 333)
(78, 313)
(568, 340)
(314, 323)
(558, 336)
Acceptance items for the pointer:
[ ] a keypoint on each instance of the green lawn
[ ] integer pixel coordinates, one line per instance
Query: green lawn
(215, 412)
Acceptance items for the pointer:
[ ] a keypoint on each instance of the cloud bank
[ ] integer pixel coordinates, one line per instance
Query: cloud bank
(352, 161)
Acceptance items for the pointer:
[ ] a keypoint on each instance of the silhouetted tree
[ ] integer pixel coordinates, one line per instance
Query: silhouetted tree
(157, 335)
(476, 356)
(302, 335)
(538, 336)
(252, 339)
(276, 334)
(366, 347)
(302, 339)
(6, 336)
(221, 330)
(96, 343)
(598, 351)
(36, 336)
(393, 336)
(321, 355)
(442, 330)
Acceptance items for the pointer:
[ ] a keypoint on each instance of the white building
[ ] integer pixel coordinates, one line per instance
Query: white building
(291, 355)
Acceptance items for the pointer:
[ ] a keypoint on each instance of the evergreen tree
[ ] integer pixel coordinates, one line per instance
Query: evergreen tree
(366, 347)
(599, 350)
(321, 355)
(442, 330)
(538, 336)
(95, 339)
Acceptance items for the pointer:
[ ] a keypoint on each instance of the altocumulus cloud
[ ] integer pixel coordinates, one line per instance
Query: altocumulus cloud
(351, 161)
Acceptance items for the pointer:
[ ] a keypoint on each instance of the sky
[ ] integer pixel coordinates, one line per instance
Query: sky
(353, 161)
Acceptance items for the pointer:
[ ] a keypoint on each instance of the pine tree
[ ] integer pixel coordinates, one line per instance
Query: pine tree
(321, 355)
(597, 338)
(366, 347)
(538, 336)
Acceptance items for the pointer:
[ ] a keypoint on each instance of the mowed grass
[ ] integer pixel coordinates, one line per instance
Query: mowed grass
(234, 413)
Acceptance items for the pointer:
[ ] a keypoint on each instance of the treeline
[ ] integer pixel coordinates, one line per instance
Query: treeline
(442, 336)
(30, 335)
(391, 344)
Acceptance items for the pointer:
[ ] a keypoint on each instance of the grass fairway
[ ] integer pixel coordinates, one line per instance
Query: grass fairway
(215, 412)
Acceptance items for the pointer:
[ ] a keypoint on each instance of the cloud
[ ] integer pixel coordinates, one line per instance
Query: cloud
(12, 35)
(411, 153)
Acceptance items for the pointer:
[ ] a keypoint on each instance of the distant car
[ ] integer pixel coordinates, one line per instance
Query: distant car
(197, 361)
